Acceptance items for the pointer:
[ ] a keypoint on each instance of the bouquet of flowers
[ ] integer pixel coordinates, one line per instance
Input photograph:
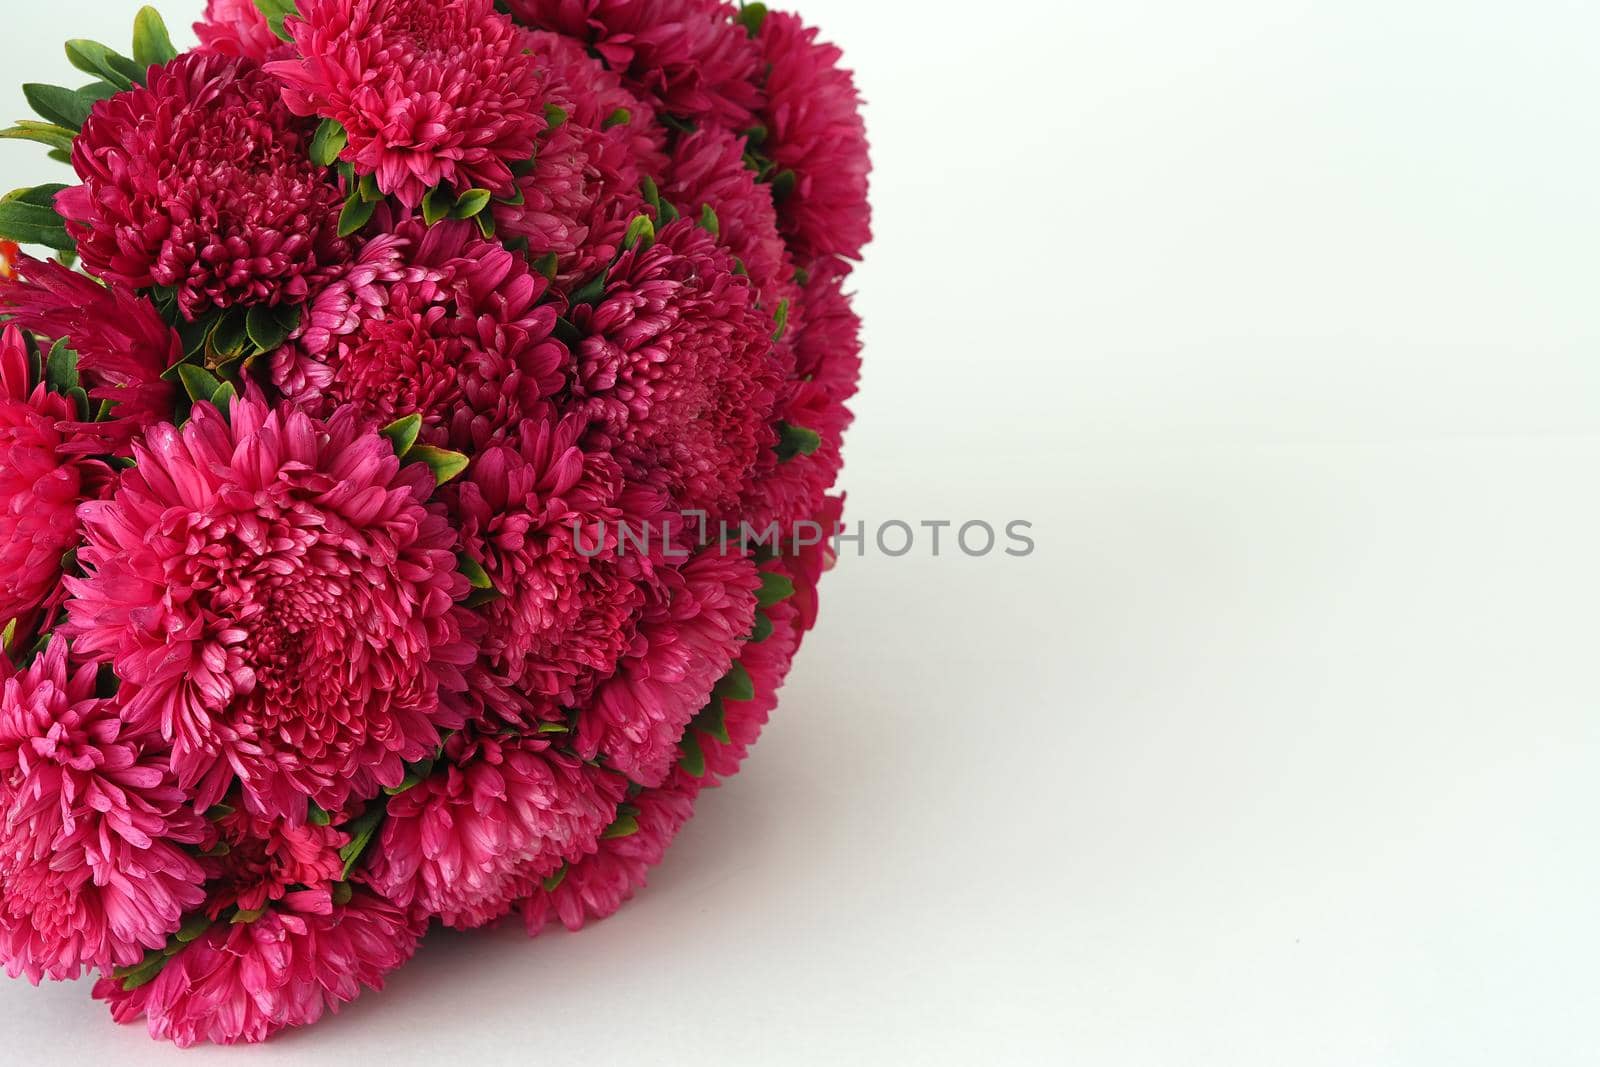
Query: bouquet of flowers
(380, 454)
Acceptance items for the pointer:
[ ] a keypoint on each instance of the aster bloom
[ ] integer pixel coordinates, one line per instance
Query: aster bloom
(93, 828)
(366, 498)
(676, 369)
(278, 603)
(436, 321)
(40, 485)
(816, 140)
(544, 518)
(272, 863)
(238, 28)
(463, 843)
(124, 348)
(688, 639)
(427, 93)
(200, 183)
(586, 181)
(687, 56)
(243, 982)
(707, 171)
(598, 885)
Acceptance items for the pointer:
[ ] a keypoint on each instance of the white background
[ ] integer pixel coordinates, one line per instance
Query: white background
(1278, 319)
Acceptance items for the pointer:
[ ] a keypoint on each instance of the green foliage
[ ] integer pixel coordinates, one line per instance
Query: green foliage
(28, 216)
(152, 45)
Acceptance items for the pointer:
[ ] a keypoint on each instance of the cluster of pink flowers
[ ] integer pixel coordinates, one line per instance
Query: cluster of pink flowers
(363, 455)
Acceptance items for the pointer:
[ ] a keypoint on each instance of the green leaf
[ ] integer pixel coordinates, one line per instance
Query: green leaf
(28, 216)
(342, 892)
(737, 685)
(142, 973)
(552, 883)
(368, 188)
(620, 117)
(709, 221)
(713, 720)
(693, 759)
(46, 133)
(782, 320)
(751, 17)
(92, 57)
(198, 382)
(796, 441)
(475, 573)
(626, 826)
(555, 116)
(485, 222)
(317, 817)
(652, 193)
(61, 368)
(222, 399)
(548, 264)
(784, 185)
(554, 728)
(268, 327)
(642, 228)
(193, 927)
(361, 831)
(775, 589)
(330, 140)
(229, 336)
(152, 45)
(246, 916)
(402, 433)
(8, 635)
(444, 463)
(763, 628)
(356, 214)
(64, 107)
(276, 11)
(436, 204)
(471, 204)
(593, 290)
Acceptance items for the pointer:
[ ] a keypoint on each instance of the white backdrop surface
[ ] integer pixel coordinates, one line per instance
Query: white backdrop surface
(1277, 319)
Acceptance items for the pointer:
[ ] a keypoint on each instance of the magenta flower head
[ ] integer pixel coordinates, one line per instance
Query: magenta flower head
(427, 93)
(279, 604)
(199, 182)
(415, 473)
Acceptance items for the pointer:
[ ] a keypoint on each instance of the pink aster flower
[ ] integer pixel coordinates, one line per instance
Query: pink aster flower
(428, 92)
(708, 170)
(789, 488)
(585, 183)
(688, 56)
(243, 982)
(122, 343)
(595, 887)
(807, 566)
(688, 639)
(40, 488)
(200, 182)
(238, 28)
(545, 519)
(433, 320)
(93, 869)
(278, 602)
(270, 862)
(814, 130)
(676, 369)
(462, 843)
